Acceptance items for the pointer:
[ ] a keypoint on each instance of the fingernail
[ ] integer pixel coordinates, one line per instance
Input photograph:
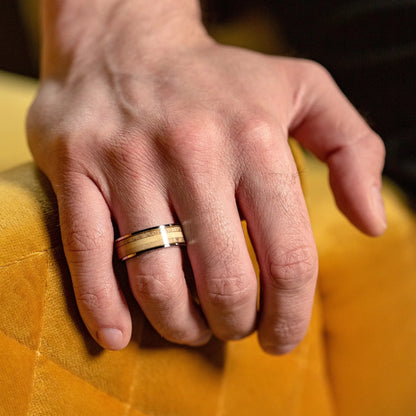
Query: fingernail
(110, 338)
(379, 206)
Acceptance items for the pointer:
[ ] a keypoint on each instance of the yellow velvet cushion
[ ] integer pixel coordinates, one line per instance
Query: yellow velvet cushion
(358, 357)
(49, 365)
(368, 292)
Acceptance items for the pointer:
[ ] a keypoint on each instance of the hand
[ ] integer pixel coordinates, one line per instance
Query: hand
(197, 133)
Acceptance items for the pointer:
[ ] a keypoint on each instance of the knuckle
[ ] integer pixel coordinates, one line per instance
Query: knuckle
(293, 269)
(229, 283)
(195, 149)
(156, 289)
(160, 294)
(371, 147)
(69, 154)
(78, 240)
(257, 133)
(376, 144)
(94, 298)
(66, 150)
(228, 291)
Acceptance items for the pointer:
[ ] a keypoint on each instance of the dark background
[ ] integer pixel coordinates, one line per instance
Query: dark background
(15, 49)
(368, 46)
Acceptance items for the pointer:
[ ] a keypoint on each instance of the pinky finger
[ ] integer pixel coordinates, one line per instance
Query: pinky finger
(88, 236)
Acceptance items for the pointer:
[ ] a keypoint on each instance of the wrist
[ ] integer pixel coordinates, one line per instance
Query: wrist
(75, 31)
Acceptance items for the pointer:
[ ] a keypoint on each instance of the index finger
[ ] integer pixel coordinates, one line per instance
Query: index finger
(327, 124)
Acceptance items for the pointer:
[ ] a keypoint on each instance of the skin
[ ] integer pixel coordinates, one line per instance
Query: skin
(141, 118)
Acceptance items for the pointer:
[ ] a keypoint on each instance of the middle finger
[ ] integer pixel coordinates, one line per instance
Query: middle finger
(224, 275)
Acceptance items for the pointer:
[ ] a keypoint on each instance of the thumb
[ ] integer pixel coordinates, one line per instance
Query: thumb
(327, 124)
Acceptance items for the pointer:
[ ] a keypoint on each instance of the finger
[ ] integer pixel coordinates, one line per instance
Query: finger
(224, 275)
(272, 202)
(156, 277)
(88, 239)
(326, 123)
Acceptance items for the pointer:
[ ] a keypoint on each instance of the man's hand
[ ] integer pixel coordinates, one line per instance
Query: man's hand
(149, 122)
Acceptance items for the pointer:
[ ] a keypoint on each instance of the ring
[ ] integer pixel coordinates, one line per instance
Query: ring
(133, 244)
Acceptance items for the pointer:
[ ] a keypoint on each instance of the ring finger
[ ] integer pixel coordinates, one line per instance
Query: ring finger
(156, 277)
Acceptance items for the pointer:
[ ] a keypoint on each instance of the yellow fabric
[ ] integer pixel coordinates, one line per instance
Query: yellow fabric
(357, 359)
(368, 291)
(49, 365)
